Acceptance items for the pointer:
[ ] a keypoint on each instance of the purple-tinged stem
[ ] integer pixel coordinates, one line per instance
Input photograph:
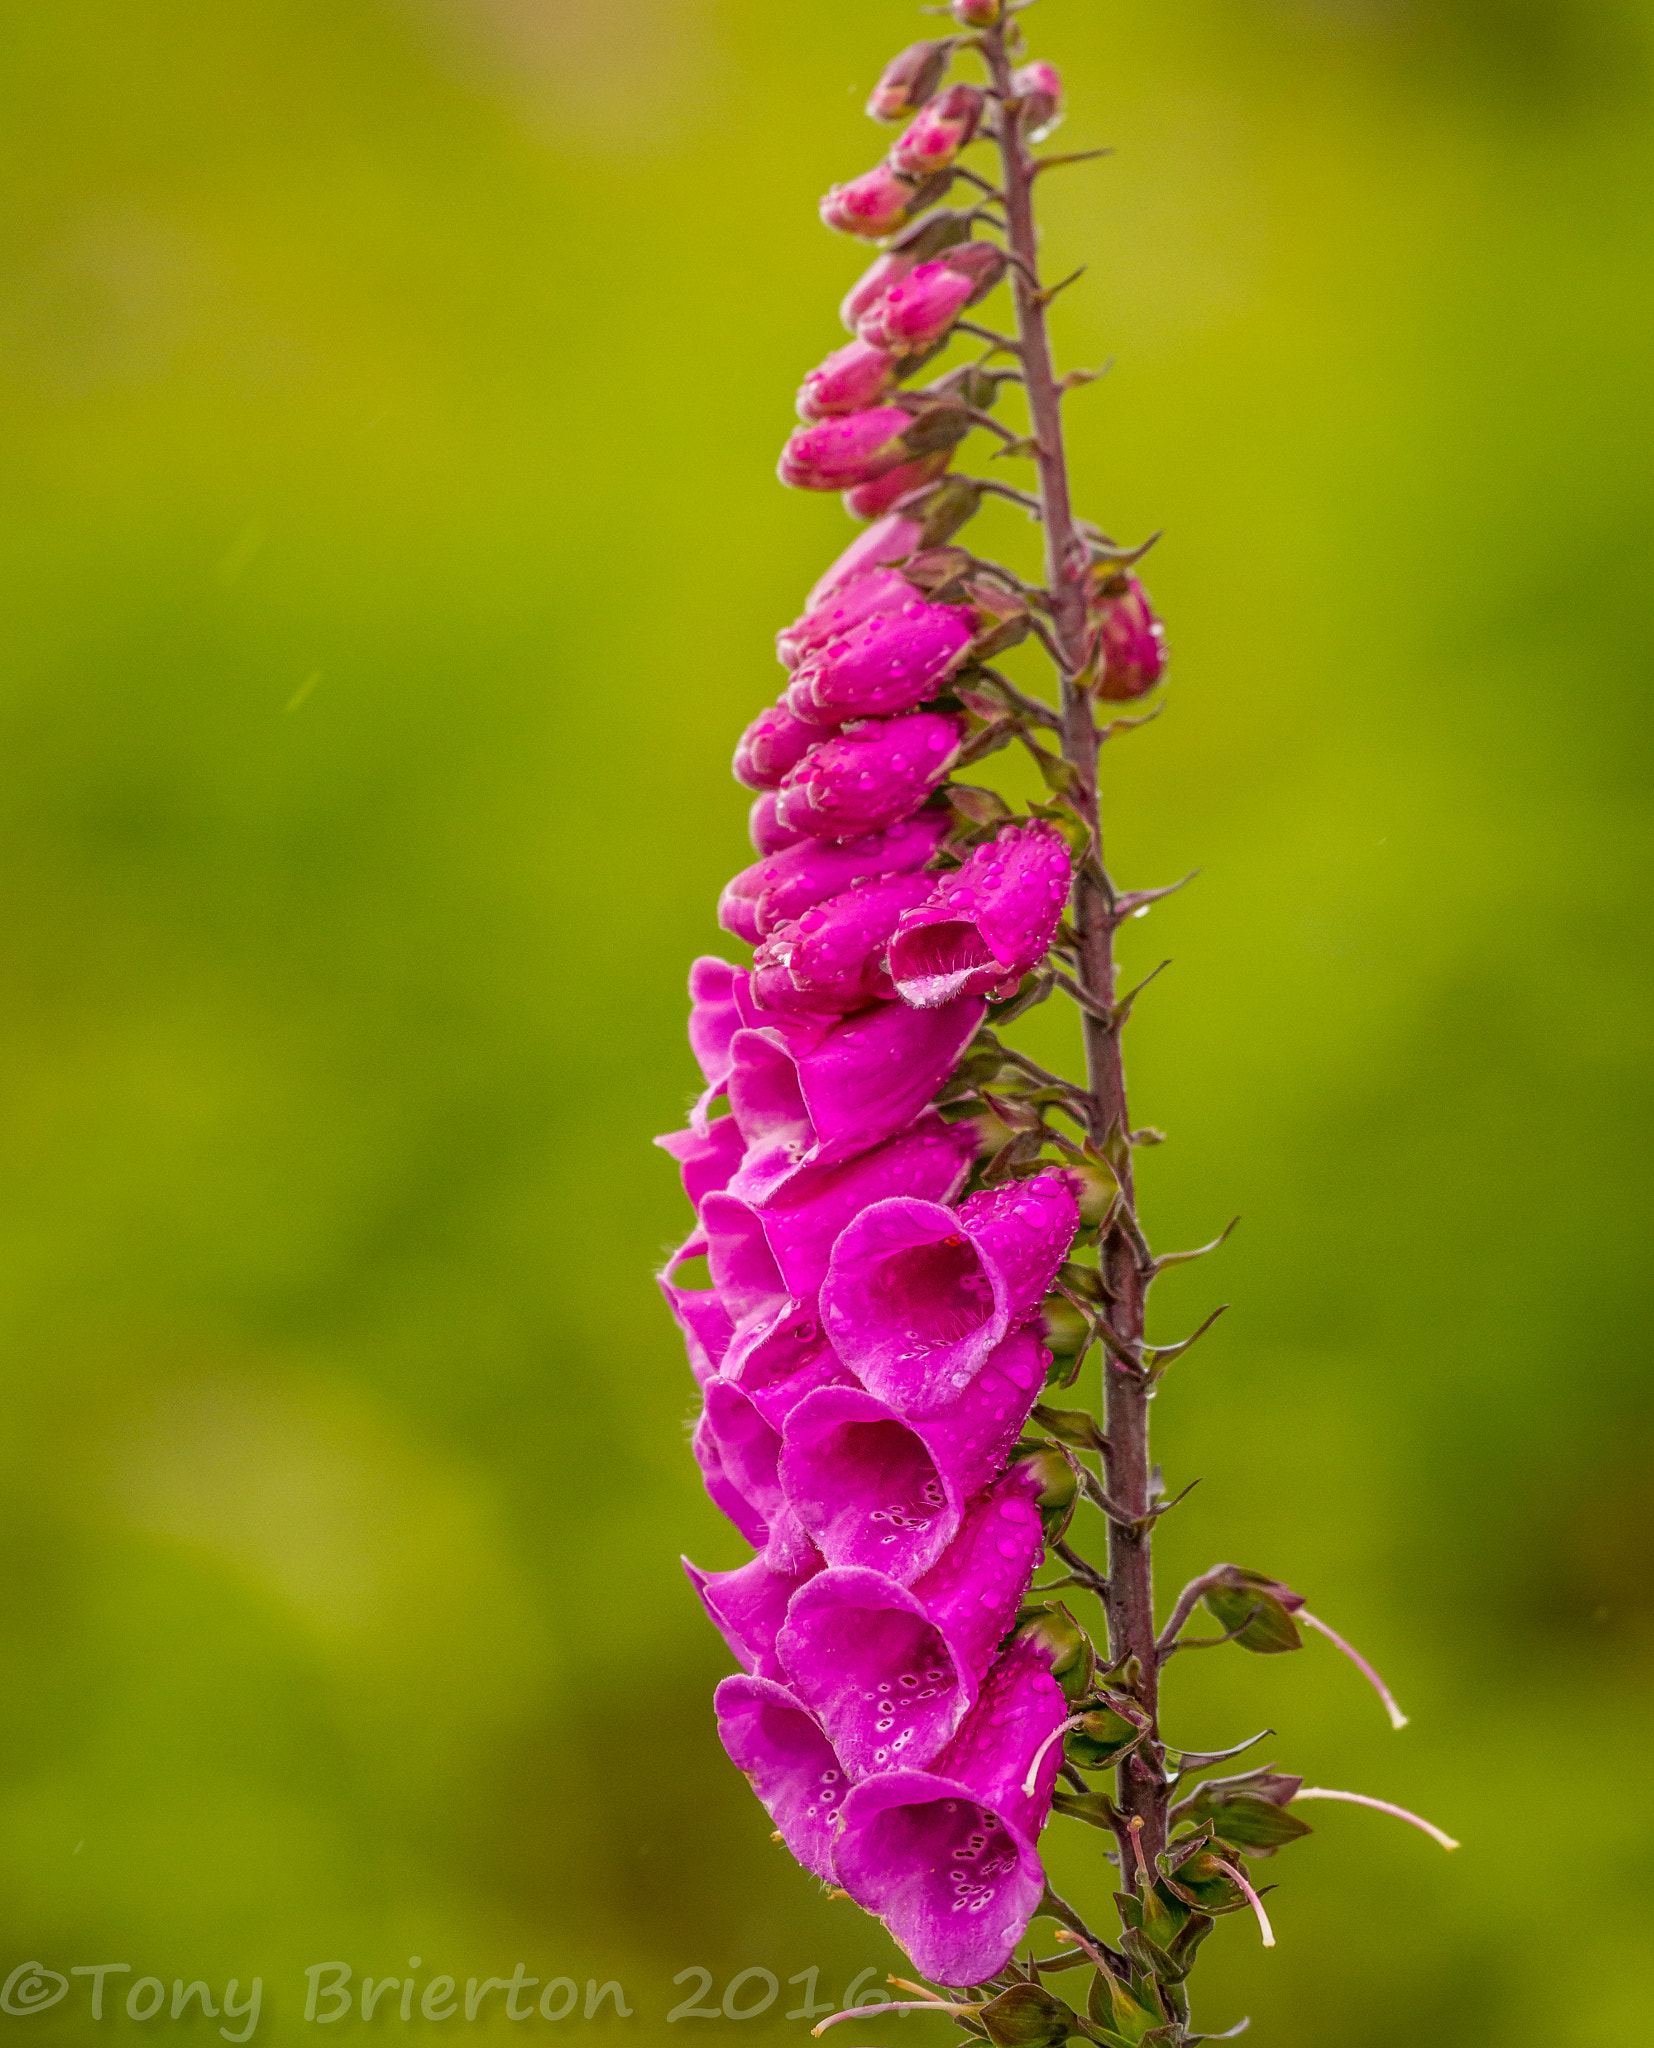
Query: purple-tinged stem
(1130, 1598)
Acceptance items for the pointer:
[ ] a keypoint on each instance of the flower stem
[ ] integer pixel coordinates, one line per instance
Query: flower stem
(1130, 1600)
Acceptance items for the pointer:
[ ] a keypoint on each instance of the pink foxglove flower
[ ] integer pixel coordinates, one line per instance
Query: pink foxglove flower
(1039, 86)
(920, 308)
(764, 826)
(872, 285)
(782, 887)
(832, 958)
(847, 605)
(779, 1745)
(871, 205)
(876, 771)
(839, 453)
(940, 131)
(850, 379)
(891, 661)
(987, 923)
(946, 1857)
(775, 742)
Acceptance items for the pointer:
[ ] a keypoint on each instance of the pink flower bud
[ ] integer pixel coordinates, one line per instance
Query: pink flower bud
(867, 501)
(908, 80)
(976, 13)
(888, 663)
(872, 285)
(920, 308)
(765, 829)
(775, 741)
(837, 454)
(941, 131)
(870, 205)
(890, 539)
(988, 923)
(831, 959)
(1039, 87)
(880, 590)
(1131, 642)
(878, 770)
(850, 379)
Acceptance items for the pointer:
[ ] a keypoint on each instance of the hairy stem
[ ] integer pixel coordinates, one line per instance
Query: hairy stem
(1130, 1598)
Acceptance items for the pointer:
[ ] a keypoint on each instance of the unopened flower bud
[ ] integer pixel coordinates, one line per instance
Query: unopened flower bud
(989, 922)
(848, 605)
(871, 286)
(891, 661)
(1062, 1643)
(1131, 642)
(976, 13)
(1039, 87)
(944, 126)
(830, 959)
(867, 501)
(850, 379)
(876, 771)
(890, 539)
(870, 205)
(908, 80)
(776, 741)
(838, 454)
(765, 829)
(920, 308)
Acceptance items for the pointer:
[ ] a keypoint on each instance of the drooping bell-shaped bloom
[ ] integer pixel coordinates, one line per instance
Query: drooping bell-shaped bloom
(920, 308)
(789, 1763)
(1039, 87)
(1130, 640)
(707, 1159)
(762, 1356)
(943, 126)
(868, 501)
(876, 771)
(946, 1857)
(868, 1078)
(764, 827)
(728, 1492)
(776, 741)
(889, 662)
(772, 892)
(851, 604)
(893, 1670)
(748, 1605)
(908, 80)
(887, 1491)
(831, 960)
(714, 1019)
(852, 377)
(918, 1296)
(989, 922)
(837, 454)
(871, 205)
(707, 1325)
(738, 1256)
(805, 1219)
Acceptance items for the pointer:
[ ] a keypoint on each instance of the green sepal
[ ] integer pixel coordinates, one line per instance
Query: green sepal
(1059, 1487)
(1095, 1808)
(1126, 2016)
(1027, 2016)
(1076, 1426)
(1257, 1826)
(1104, 1736)
(1198, 1880)
(1271, 1628)
(1068, 1648)
(1062, 814)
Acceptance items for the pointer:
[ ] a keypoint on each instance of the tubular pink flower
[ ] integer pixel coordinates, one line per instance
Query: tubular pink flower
(919, 309)
(871, 205)
(918, 1295)
(831, 960)
(986, 924)
(908, 80)
(707, 1159)
(882, 1489)
(940, 131)
(875, 772)
(748, 1605)
(946, 1857)
(868, 501)
(873, 283)
(837, 454)
(780, 1748)
(888, 663)
(868, 1078)
(852, 377)
(893, 1670)
(888, 540)
(707, 1325)
(775, 742)
(850, 604)
(771, 892)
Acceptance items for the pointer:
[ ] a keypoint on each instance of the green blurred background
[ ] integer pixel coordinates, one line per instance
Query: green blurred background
(391, 553)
